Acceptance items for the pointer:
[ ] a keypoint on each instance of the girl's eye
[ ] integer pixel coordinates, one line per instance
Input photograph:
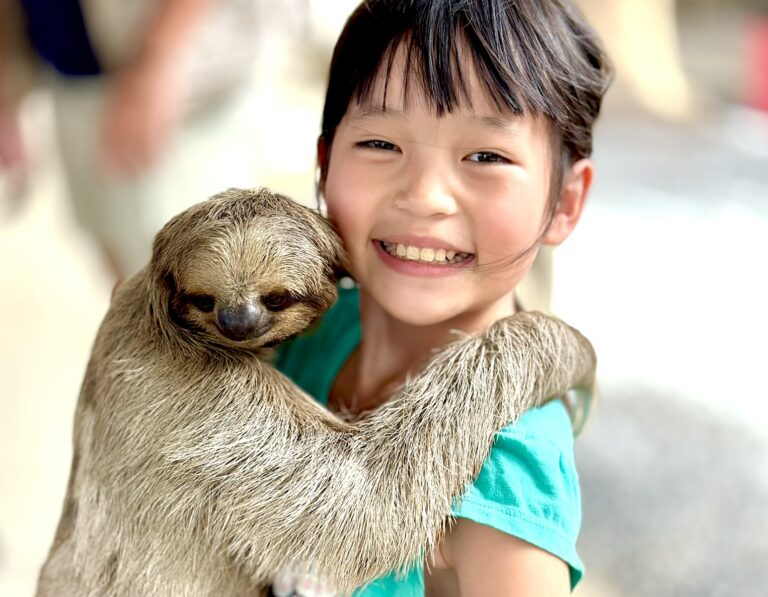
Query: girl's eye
(378, 144)
(488, 157)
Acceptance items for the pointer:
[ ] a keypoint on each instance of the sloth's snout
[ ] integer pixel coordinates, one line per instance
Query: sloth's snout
(240, 322)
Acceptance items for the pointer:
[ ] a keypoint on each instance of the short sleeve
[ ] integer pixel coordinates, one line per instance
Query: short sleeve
(528, 486)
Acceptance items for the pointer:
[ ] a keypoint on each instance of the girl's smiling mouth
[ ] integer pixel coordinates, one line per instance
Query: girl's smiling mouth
(421, 260)
(424, 254)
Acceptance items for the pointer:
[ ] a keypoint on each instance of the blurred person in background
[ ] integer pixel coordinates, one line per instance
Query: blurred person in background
(757, 56)
(150, 100)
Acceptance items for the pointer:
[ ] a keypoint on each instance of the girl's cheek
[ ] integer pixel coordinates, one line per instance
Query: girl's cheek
(509, 229)
(351, 197)
(345, 212)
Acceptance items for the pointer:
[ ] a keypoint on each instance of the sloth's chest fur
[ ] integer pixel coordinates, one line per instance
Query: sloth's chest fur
(139, 407)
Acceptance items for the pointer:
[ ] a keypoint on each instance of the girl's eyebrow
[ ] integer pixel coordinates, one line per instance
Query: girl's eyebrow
(504, 124)
(372, 112)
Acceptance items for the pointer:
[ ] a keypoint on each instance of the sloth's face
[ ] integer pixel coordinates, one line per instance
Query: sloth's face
(250, 282)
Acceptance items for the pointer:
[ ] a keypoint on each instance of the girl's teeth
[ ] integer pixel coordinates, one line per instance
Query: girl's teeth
(426, 255)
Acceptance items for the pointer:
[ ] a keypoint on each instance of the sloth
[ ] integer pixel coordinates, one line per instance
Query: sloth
(200, 470)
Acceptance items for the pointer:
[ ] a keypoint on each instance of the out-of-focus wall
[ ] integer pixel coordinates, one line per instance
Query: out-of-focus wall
(296, 44)
(642, 39)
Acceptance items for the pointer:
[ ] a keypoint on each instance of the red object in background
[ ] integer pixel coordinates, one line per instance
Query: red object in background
(757, 62)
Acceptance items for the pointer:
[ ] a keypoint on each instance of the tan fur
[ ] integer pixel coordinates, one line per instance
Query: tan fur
(199, 470)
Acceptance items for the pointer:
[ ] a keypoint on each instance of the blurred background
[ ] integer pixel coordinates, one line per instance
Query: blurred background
(664, 273)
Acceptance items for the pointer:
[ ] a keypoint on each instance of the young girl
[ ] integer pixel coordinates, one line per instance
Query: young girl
(455, 142)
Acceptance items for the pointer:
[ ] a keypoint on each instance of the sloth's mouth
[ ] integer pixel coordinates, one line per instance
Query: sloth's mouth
(424, 254)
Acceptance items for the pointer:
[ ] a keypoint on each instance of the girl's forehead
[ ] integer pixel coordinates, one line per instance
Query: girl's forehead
(492, 119)
(399, 86)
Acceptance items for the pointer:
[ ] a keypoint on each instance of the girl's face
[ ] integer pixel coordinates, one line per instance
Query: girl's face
(409, 191)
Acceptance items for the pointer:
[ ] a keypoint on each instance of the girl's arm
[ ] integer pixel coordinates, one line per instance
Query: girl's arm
(475, 560)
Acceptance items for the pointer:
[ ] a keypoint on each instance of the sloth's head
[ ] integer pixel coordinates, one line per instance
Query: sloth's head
(245, 269)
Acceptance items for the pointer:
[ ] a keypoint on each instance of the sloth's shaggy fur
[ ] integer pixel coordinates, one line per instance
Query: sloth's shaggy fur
(199, 470)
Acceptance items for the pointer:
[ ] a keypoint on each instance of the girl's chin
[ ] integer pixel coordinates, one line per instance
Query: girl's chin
(416, 306)
(422, 317)
(422, 305)
(453, 300)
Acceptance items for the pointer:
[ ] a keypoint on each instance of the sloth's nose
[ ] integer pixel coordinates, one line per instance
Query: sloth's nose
(241, 321)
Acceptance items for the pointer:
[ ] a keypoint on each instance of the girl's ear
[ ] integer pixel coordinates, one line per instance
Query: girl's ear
(573, 196)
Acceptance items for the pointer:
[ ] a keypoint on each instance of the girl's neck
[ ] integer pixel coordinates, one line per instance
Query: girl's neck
(390, 349)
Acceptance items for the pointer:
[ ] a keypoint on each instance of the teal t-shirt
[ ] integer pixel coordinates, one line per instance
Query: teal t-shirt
(528, 486)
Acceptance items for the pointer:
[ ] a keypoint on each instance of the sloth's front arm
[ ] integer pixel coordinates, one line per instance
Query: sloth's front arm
(352, 503)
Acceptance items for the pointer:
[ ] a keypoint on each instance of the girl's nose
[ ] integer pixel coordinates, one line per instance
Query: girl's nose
(426, 192)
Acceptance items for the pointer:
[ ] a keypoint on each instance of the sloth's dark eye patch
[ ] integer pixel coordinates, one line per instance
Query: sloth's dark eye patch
(170, 283)
(202, 302)
(279, 300)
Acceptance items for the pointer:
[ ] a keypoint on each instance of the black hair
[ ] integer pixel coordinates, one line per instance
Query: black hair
(535, 57)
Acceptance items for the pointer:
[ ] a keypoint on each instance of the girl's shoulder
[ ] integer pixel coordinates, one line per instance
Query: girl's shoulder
(528, 486)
